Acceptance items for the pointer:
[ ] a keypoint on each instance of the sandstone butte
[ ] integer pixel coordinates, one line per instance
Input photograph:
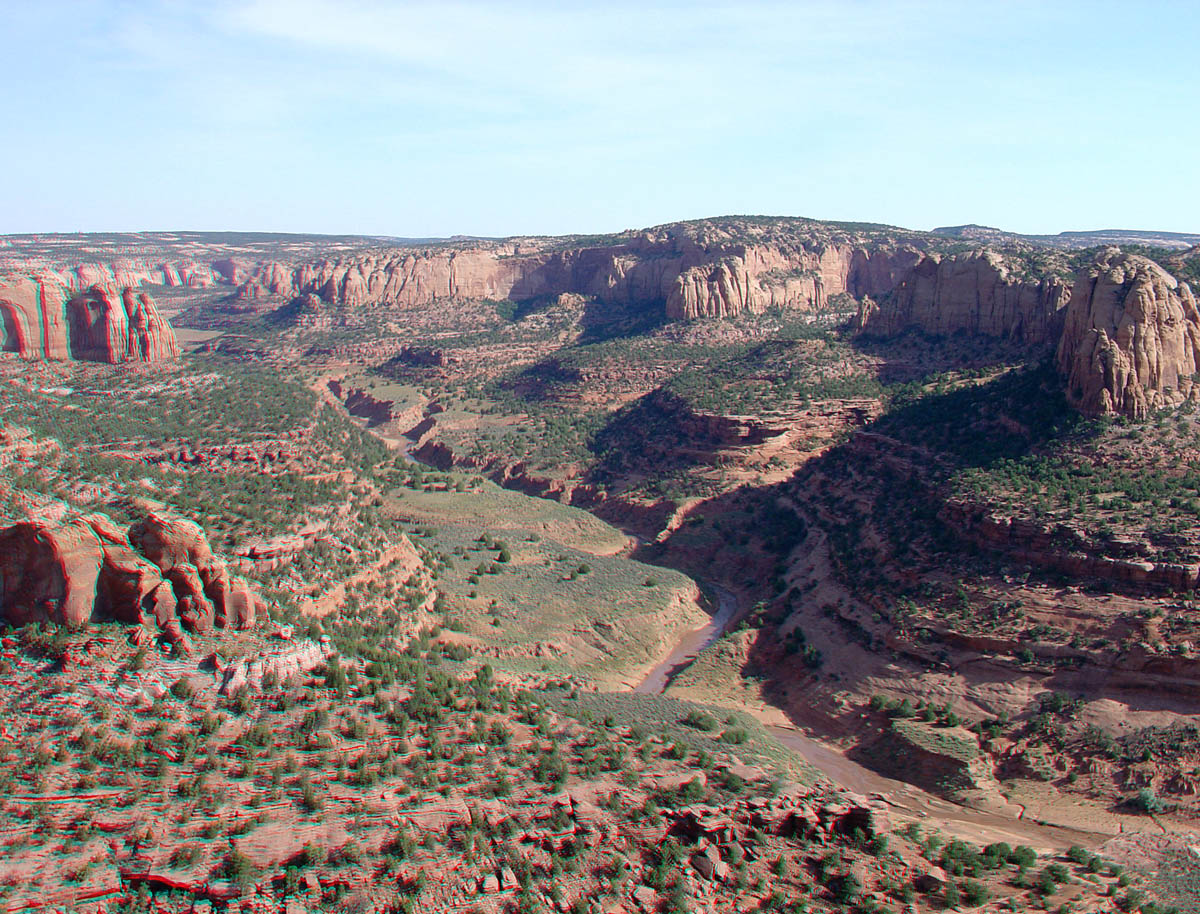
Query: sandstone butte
(160, 571)
(1131, 340)
(41, 318)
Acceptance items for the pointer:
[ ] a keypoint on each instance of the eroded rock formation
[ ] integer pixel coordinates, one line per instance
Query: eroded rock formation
(162, 571)
(719, 274)
(974, 293)
(113, 324)
(40, 318)
(1131, 341)
(33, 320)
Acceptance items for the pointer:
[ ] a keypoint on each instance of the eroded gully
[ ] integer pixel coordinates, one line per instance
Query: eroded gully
(906, 799)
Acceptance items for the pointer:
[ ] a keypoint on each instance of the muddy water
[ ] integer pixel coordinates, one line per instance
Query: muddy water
(690, 645)
(905, 799)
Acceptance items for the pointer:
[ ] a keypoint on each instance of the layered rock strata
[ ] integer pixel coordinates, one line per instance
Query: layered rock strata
(973, 293)
(690, 277)
(113, 324)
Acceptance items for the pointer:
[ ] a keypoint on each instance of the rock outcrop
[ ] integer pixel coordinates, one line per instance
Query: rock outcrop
(1131, 340)
(113, 324)
(33, 319)
(691, 274)
(40, 318)
(49, 573)
(973, 293)
(162, 572)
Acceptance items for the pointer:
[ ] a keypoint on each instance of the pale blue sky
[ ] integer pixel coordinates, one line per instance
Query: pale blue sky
(420, 119)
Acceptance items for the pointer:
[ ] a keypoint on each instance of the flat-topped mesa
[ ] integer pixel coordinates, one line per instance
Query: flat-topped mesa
(40, 318)
(974, 293)
(1131, 341)
(693, 276)
(408, 278)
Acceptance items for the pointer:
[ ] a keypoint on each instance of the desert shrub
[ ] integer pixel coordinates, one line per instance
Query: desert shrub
(1023, 857)
(239, 868)
(975, 893)
(701, 720)
(1147, 801)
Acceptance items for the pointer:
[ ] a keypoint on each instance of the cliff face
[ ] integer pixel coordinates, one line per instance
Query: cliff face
(404, 278)
(111, 324)
(41, 319)
(973, 293)
(33, 318)
(134, 273)
(692, 277)
(1131, 343)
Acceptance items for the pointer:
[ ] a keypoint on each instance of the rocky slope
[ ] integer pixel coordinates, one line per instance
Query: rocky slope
(43, 318)
(1131, 341)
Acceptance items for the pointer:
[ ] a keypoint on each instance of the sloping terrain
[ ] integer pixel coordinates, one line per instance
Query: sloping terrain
(947, 480)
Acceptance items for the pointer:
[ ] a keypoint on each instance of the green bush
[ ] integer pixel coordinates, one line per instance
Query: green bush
(1147, 801)
(1023, 857)
(975, 893)
(701, 720)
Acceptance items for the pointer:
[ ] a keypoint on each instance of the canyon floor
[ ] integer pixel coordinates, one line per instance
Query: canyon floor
(588, 605)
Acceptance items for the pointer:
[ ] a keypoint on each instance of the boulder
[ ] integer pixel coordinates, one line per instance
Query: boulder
(163, 571)
(49, 573)
(167, 541)
(194, 608)
(126, 582)
(160, 604)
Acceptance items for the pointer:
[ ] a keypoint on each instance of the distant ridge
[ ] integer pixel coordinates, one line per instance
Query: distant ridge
(1071, 240)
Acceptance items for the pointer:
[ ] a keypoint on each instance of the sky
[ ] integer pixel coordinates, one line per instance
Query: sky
(419, 119)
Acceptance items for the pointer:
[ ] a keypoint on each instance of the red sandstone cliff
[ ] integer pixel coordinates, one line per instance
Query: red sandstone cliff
(1131, 343)
(40, 318)
(970, 293)
(695, 275)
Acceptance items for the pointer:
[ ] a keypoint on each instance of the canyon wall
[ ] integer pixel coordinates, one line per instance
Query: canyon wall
(692, 278)
(43, 318)
(1131, 343)
(190, 274)
(1126, 332)
(969, 293)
